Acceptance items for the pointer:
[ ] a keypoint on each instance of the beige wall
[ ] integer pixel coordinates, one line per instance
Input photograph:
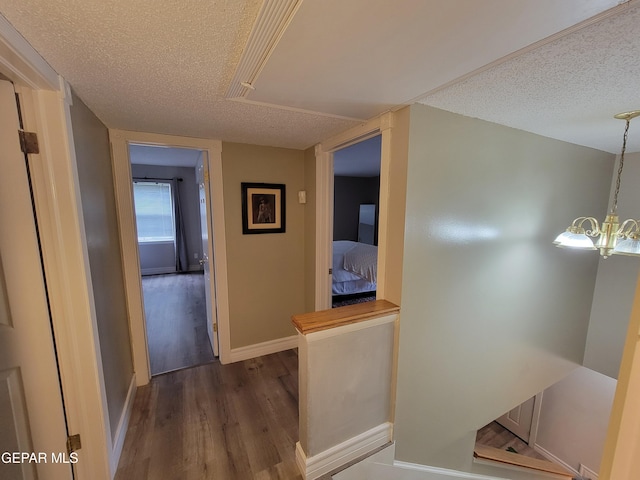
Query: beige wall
(310, 230)
(91, 143)
(492, 313)
(266, 274)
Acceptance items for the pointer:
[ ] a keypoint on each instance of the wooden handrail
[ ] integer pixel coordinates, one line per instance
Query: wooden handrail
(509, 458)
(337, 317)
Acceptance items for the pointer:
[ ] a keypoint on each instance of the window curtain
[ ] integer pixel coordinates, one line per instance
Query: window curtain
(182, 257)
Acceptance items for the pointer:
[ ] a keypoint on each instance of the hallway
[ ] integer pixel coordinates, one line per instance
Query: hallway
(237, 421)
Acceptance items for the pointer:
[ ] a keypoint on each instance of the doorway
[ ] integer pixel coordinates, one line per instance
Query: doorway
(172, 249)
(356, 193)
(33, 417)
(393, 168)
(121, 140)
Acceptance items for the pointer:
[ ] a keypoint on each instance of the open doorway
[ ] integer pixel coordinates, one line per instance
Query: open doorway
(172, 257)
(356, 186)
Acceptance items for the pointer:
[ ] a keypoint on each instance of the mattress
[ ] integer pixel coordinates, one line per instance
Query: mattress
(359, 276)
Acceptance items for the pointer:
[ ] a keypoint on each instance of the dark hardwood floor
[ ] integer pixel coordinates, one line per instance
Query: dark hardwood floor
(223, 422)
(175, 310)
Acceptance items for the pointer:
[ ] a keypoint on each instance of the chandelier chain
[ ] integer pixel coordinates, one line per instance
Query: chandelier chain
(624, 147)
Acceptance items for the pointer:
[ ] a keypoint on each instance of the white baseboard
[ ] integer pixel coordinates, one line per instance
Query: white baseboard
(586, 472)
(335, 457)
(157, 271)
(264, 348)
(550, 456)
(121, 430)
(164, 270)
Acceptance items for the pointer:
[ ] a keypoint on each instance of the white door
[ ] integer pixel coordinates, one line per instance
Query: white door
(31, 411)
(202, 177)
(518, 420)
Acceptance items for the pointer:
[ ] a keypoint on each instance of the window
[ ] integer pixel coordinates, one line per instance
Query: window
(154, 212)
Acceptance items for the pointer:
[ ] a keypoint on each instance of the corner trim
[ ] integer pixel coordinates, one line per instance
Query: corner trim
(24, 63)
(587, 472)
(341, 454)
(265, 348)
(121, 429)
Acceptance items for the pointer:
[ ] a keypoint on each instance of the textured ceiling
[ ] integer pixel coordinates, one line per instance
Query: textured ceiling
(161, 67)
(370, 55)
(568, 89)
(164, 66)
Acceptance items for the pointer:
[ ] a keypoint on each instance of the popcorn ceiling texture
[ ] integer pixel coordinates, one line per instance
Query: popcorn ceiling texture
(568, 89)
(165, 66)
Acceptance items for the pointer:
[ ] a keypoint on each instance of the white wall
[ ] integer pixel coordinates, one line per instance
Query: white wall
(575, 412)
(616, 282)
(492, 313)
(574, 418)
(361, 376)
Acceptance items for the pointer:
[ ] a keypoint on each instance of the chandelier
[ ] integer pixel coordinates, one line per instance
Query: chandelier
(612, 237)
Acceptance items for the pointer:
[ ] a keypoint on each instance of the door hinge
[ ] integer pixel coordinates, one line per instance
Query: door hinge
(28, 142)
(206, 176)
(331, 271)
(215, 327)
(73, 443)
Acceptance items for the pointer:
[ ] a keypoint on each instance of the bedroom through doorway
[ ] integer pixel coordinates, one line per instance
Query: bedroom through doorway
(356, 192)
(168, 220)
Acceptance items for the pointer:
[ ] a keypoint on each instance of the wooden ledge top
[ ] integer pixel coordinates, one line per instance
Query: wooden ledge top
(337, 317)
(497, 455)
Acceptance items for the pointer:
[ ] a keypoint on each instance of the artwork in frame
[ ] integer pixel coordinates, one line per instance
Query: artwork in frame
(263, 208)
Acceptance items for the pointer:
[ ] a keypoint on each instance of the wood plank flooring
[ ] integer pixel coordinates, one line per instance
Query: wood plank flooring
(175, 310)
(222, 422)
(495, 435)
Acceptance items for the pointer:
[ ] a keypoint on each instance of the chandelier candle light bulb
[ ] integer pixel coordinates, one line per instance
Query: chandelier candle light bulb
(612, 237)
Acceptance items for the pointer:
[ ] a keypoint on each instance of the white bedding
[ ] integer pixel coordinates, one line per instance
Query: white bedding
(361, 260)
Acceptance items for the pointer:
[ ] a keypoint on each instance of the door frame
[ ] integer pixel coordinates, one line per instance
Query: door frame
(203, 181)
(35, 401)
(120, 141)
(45, 98)
(382, 125)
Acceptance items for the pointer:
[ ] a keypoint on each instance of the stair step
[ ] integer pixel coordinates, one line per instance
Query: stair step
(502, 456)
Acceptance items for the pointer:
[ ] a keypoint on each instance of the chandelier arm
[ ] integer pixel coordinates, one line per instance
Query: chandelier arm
(595, 226)
(613, 237)
(627, 228)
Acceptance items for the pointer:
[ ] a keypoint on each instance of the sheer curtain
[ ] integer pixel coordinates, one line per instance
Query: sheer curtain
(182, 257)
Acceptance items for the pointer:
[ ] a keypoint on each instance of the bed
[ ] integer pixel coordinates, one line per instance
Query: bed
(354, 267)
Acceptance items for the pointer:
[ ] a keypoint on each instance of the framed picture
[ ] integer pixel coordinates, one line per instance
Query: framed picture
(263, 208)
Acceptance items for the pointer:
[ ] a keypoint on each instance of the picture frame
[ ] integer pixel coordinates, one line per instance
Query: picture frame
(263, 208)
